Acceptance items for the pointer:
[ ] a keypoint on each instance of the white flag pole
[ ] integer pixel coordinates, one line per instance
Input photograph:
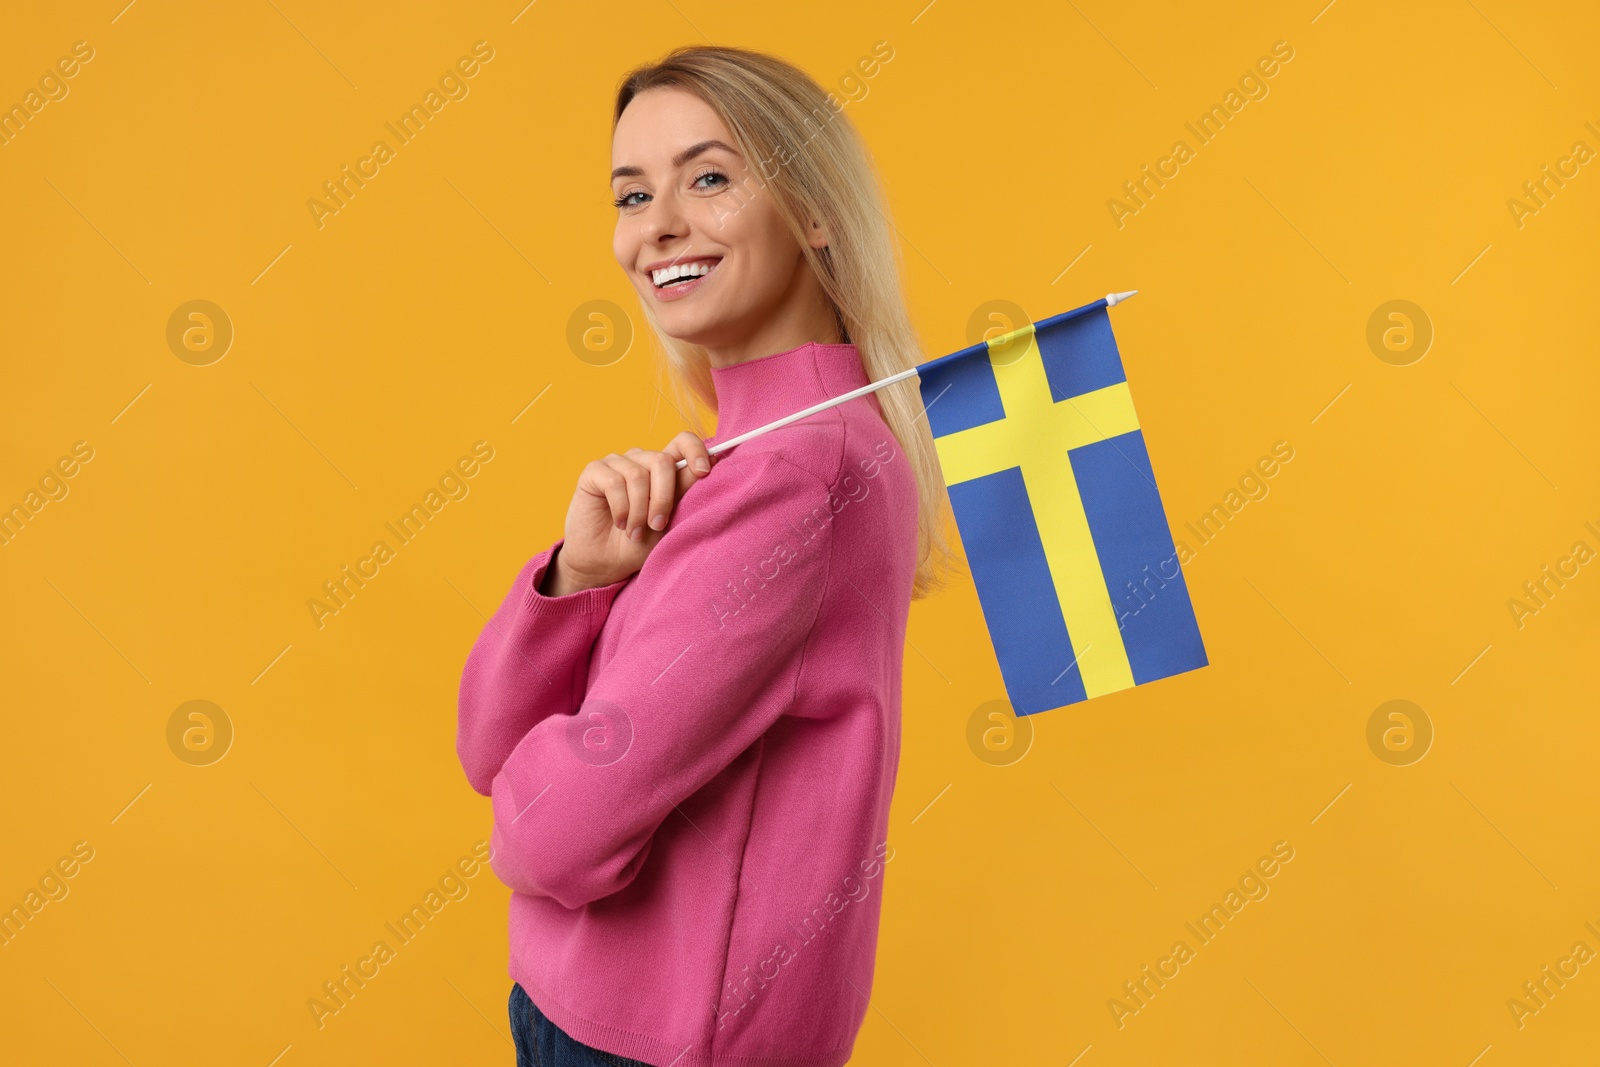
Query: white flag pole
(1111, 300)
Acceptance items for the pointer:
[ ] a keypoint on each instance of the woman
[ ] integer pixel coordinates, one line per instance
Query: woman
(687, 711)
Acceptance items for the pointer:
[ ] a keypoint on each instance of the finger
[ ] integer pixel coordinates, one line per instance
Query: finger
(637, 479)
(688, 446)
(685, 478)
(599, 478)
(663, 487)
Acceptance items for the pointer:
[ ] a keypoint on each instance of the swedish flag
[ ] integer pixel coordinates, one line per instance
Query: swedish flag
(1059, 513)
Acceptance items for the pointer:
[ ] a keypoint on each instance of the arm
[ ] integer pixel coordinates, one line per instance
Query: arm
(699, 676)
(529, 662)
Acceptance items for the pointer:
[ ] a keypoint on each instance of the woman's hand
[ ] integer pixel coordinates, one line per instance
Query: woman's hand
(619, 510)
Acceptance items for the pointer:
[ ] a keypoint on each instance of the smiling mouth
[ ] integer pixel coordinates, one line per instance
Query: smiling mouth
(683, 273)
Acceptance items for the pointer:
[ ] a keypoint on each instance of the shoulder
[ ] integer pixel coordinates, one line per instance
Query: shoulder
(846, 481)
(755, 513)
(830, 446)
(747, 495)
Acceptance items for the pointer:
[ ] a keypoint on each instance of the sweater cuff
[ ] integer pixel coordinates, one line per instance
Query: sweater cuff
(594, 601)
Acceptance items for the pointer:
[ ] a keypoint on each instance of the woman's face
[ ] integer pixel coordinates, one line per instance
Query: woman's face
(698, 233)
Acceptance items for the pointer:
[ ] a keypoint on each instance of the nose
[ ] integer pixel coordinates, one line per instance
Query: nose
(664, 219)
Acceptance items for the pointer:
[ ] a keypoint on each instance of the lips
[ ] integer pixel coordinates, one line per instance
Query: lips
(676, 279)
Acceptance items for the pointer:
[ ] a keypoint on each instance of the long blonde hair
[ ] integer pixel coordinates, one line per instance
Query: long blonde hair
(783, 122)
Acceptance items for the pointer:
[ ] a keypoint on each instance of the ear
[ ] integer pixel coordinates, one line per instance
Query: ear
(817, 235)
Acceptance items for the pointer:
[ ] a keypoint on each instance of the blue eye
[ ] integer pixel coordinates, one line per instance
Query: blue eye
(626, 200)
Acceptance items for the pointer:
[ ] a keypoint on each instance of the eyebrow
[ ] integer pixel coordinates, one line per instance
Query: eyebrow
(678, 160)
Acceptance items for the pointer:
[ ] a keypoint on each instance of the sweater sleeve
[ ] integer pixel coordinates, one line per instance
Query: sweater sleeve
(530, 662)
(708, 659)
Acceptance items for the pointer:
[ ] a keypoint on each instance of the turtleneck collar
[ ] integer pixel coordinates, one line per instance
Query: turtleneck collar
(757, 391)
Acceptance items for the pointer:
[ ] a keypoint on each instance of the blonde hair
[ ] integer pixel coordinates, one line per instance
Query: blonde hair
(768, 104)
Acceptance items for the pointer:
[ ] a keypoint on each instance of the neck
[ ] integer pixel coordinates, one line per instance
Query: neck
(805, 314)
(762, 390)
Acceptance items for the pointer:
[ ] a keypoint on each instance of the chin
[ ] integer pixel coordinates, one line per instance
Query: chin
(704, 334)
(707, 324)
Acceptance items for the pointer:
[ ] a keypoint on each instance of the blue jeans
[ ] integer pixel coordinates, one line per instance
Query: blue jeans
(541, 1043)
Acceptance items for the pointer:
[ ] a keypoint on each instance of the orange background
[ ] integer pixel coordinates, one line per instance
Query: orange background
(370, 354)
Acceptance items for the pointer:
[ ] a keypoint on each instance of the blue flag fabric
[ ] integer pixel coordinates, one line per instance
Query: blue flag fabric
(1057, 506)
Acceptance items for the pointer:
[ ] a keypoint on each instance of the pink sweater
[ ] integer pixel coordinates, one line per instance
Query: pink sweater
(697, 852)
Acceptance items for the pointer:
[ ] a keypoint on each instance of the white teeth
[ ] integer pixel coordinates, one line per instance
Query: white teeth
(682, 270)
